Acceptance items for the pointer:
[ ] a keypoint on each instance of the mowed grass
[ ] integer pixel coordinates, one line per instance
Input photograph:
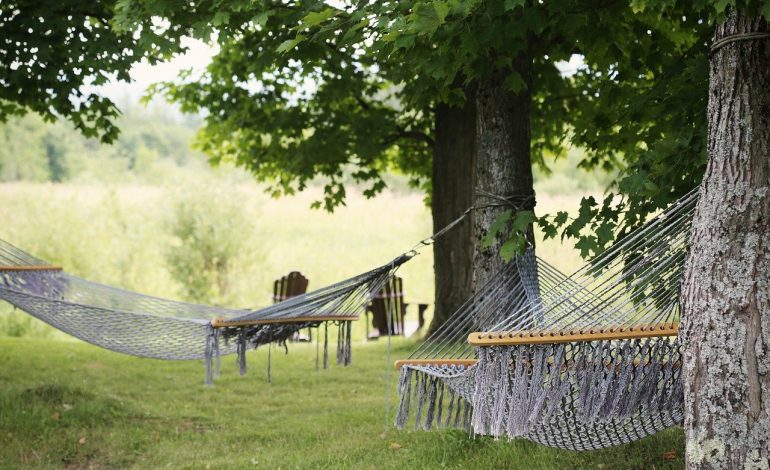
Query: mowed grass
(71, 405)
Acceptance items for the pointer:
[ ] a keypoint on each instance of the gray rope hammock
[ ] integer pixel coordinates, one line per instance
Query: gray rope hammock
(580, 362)
(146, 326)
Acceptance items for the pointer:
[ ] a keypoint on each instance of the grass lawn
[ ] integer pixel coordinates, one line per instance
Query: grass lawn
(64, 404)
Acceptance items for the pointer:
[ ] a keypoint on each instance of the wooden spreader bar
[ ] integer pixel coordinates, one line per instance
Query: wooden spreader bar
(435, 362)
(510, 338)
(224, 323)
(30, 268)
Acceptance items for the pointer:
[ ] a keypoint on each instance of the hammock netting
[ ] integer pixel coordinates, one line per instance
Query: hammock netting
(580, 362)
(146, 326)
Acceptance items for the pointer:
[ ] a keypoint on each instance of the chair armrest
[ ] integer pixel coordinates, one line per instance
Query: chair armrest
(421, 308)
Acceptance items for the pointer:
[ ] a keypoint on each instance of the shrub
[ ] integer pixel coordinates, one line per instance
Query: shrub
(211, 237)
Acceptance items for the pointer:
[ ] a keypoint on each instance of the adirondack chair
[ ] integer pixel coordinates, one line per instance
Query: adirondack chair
(292, 285)
(391, 299)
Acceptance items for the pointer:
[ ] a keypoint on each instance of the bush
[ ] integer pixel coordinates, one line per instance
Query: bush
(18, 324)
(211, 238)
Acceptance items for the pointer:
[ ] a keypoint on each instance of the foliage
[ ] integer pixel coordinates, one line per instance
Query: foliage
(291, 111)
(210, 241)
(644, 76)
(624, 108)
(23, 150)
(56, 53)
(660, 131)
(305, 89)
(150, 142)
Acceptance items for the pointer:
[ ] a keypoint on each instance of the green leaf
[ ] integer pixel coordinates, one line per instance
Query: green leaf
(638, 6)
(548, 229)
(523, 220)
(220, 18)
(605, 233)
(314, 18)
(587, 245)
(404, 41)
(495, 228)
(514, 83)
(561, 218)
(427, 18)
(290, 44)
(513, 246)
(586, 212)
(261, 19)
(364, 22)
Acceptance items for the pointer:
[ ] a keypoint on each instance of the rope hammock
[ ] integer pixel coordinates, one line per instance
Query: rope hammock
(146, 326)
(580, 362)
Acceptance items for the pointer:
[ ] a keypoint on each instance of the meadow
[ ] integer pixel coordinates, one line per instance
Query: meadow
(65, 404)
(121, 235)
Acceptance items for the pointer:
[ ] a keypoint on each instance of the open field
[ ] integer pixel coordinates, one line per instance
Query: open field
(120, 236)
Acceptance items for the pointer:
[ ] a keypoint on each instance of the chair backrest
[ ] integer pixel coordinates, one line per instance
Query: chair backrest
(389, 298)
(290, 285)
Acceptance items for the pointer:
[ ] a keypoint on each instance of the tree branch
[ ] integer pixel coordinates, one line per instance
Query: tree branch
(402, 133)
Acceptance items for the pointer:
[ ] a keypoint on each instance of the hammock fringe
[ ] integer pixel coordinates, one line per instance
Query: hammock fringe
(246, 338)
(524, 386)
(421, 398)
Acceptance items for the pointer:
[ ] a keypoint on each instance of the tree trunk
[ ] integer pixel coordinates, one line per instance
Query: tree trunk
(726, 293)
(452, 195)
(503, 165)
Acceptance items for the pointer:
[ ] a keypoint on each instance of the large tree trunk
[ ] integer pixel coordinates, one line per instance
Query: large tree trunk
(726, 291)
(503, 166)
(452, 195)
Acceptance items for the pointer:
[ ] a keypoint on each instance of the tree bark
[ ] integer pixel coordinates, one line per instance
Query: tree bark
(726, 290)
(452, 195)
(503, 165)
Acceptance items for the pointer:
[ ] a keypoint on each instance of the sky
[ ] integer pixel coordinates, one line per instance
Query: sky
(143, 74)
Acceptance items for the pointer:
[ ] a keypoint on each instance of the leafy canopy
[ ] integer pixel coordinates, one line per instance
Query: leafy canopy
(636, 105)
(55, 53)
(378, 69)
(307, 88)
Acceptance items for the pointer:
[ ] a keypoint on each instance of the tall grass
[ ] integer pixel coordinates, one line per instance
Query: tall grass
(124, 235)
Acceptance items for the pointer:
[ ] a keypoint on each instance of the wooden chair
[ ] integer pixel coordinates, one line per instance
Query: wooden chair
(292, 285)
(391, 298)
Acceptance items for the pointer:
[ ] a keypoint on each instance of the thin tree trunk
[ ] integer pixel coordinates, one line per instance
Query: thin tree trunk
(503, 165)
(452, 195)
(726, 291)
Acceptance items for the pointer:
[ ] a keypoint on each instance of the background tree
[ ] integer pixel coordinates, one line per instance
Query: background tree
(351, 124)
(54, 53)
(150, 143)
(482, 44)
(388, 72)
(211, 235)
